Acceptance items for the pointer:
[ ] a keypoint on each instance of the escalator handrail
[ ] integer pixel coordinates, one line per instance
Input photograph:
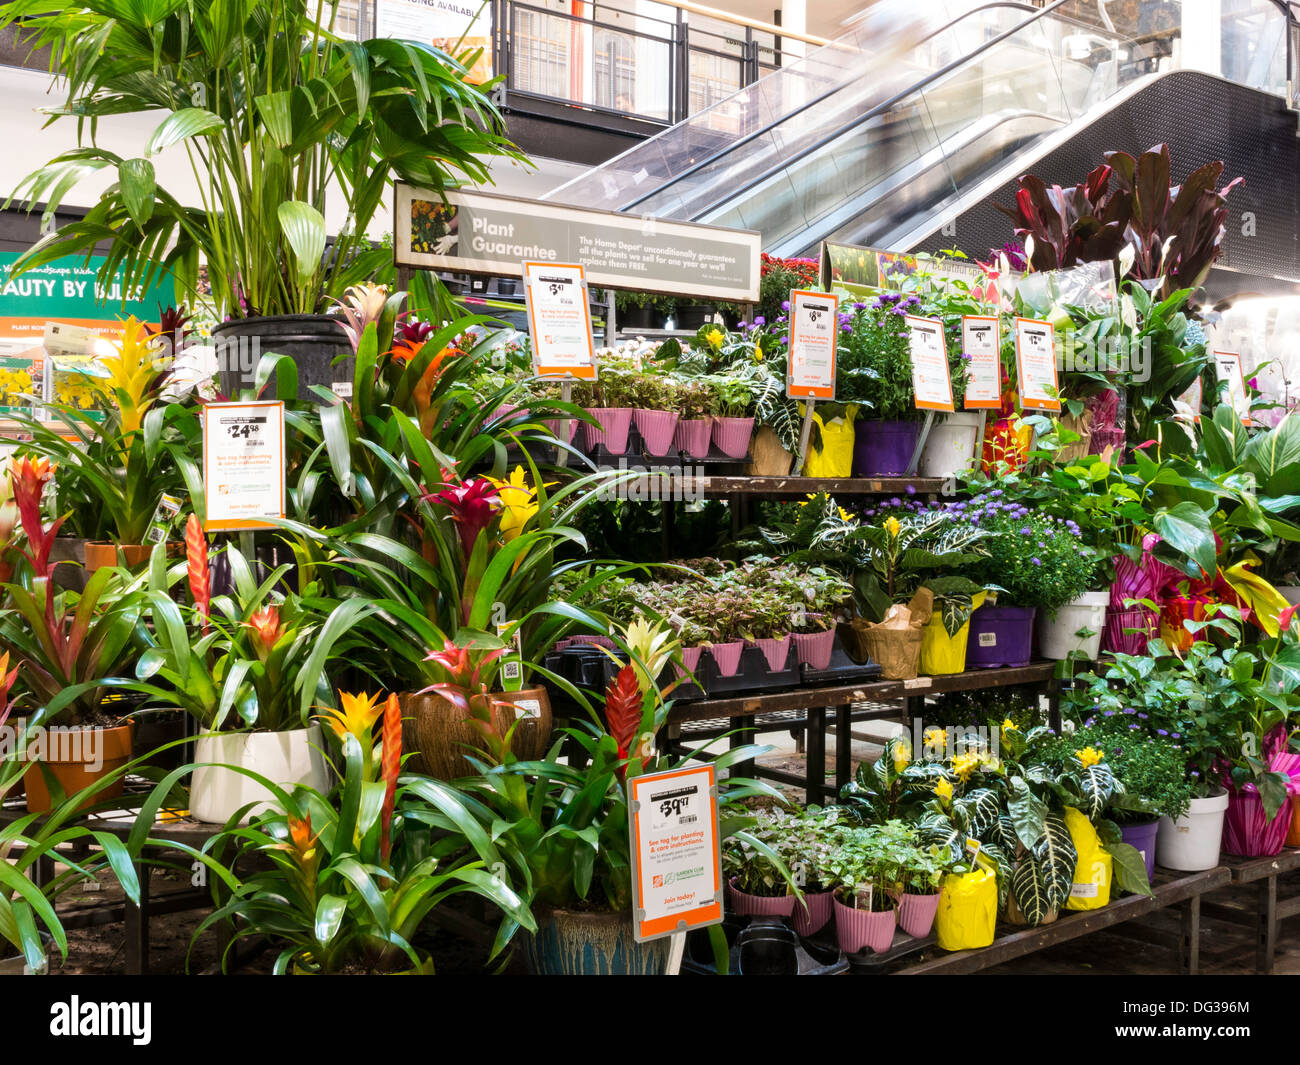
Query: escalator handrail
(696, 167)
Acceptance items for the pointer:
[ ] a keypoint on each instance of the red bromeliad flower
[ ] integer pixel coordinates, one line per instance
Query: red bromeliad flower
(391, 766)
(196, 566)
(265, 624)
(623, 703)
(463, 665)
(29, 477)
(7, 678)
(472, 504)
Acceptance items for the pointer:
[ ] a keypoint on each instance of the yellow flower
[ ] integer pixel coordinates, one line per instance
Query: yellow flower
(715, 337)
(1009, 726)
(965, 764)
(518, 503)
(358, 716)
(892, 525)
(902, 756)
(944, 790)
(1089, 756)
(844, 514)
(935, 737)
(130, 372)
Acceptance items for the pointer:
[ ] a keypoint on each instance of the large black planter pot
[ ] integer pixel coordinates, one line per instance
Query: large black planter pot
(694, 315)
(583, 943)
(313, 341)
(640, 318)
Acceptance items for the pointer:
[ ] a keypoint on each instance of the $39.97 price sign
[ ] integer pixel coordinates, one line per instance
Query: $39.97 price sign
(676, 861)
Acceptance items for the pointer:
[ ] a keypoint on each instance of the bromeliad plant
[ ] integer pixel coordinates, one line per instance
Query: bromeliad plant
(277, 111)
(345, 881)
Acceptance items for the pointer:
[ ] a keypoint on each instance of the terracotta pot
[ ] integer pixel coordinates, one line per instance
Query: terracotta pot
(437, 734)
(78, 758)
(134, 556)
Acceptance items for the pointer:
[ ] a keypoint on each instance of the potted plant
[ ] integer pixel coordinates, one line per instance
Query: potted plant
(809, 849)
(343, 880)
(1040, 563)
(733, 426)
(118, 461)
(248, 666)
(655, 411)
(568, 824)
(696, 406)
(609, 404)
(274, 140)
(641, 310)
(866, 870)
(756, 868)
(69, 647)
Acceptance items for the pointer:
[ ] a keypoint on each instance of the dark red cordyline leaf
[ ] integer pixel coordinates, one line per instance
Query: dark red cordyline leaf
(623, 709)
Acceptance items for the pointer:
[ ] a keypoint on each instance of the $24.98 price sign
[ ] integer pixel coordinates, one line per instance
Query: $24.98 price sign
(676, 861)
(243, 464)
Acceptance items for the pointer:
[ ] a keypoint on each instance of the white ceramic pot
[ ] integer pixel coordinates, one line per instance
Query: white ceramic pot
(285, 758)
(951, 444)
(1058, 636)
(1191, 843)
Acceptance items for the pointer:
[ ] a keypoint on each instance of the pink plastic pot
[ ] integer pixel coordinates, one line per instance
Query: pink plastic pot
(777, 652)
(503, 411)
(732, 436)
(693, 437)
(657, 428)
(592, 641)
(1114, 638)
(916, 914)
(727, 656)
(1247, 831)
(615, 423)
(759, 905)
(553, 426)
(814, 648)
(813, 914)
(690, 659)
(856, 929)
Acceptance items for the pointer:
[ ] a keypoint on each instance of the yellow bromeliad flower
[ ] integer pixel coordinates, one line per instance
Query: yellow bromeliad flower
(130, 373)
(965, 764)
(892, 526)
(715, 337)
(944, 790)
(935, 737)
(902, 756)
(844, 514)
(1089, 756)
(1009, 726)
(357, 716)
(518, 503)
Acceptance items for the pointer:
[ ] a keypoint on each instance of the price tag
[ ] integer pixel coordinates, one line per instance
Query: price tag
(1036, 365)
(559, 319)
(676, 860)
(813, 331)
(931, 380)
(243, 464)
(1227, 367)
(981, 340)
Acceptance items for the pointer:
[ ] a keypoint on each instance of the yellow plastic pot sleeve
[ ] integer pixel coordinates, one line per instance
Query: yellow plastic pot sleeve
(1094, 869)
(835, 457)
(968, 910)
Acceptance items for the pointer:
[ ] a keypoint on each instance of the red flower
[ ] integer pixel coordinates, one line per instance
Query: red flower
(1144, 445)
(391, 766)
(196, 566)
(472, 504)
(463, 667)
(265, 624)
(1284, 618)
(623, 702)
(29, 477)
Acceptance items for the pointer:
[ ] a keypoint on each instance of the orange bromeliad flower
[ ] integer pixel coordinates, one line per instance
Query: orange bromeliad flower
(196, 566)
(391, 766)
(265, 624)
(357, 717)
(302, 844)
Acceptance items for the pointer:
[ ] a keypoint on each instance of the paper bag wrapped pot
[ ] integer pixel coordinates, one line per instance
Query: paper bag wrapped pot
(895, 642)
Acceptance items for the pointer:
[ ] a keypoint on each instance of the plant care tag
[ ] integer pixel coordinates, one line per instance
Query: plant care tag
(164, 517)
(529, 708)
(973, 849)
(512, 662)
(862, 896)
(1083, 891)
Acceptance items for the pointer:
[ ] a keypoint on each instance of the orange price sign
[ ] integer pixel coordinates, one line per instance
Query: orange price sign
(1036, 365)
(931, 380)
(981, 342)
(559, 319)
(813, 331)
(243, 465)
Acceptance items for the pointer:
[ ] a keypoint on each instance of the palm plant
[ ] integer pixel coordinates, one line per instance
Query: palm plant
(276, 112)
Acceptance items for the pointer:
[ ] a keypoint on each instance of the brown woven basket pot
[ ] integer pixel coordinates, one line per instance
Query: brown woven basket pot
(436, 734)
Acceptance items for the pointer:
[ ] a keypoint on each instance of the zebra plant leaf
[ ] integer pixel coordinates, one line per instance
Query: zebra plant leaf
(1003, 834)
(982, 809)
(1004, 870)
(1056, 857)
(1097, 784)
(935, 829)
(1027, 814)
(1030, 889)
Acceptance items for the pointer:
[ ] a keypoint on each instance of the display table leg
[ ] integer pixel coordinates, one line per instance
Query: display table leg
(136, 920)
(815, 778)
(843, 746)
(1266, 942)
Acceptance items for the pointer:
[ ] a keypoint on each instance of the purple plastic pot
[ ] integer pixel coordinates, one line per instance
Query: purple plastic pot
(693, 437)
(775, 651)
(759, 905)
(814, 648)
(1000, 636)
(727, 656)
(732, 436)
(657, 428)
(856, 929)
(883, 449)
(1143, 839)
(1247, 831)
(916, 913)
(615, 422)
(1114, 638)
(814, 914)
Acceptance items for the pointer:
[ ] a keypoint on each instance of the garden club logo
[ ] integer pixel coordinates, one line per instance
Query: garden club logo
(75, 1018)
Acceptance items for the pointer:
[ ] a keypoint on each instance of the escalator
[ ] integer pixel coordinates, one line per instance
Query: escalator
(898, 135)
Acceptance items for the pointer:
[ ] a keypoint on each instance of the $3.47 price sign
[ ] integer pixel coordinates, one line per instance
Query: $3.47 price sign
(676, 861)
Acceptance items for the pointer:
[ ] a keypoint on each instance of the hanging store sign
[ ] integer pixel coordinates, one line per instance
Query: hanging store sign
(931, 380)
(981, 342)
(813, 330)
(483, 233)
(1228, 368)
(454, 27)
(243, 465)
(559, 319)
(676, 859)
(861, 270)
(1036, 365)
